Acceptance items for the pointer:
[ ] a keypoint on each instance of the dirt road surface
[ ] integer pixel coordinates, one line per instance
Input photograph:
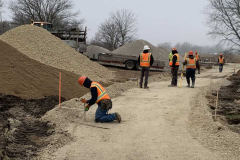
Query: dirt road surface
(155, 126)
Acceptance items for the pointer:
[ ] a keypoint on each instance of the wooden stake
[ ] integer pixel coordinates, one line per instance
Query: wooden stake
(60, 79)
(216, 107)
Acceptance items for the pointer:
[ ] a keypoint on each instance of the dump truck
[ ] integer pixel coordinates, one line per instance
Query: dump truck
(74, 37)
(127, 61)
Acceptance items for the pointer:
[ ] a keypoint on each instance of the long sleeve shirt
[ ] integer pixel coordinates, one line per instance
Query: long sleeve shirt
(94, 94)
(174, 60)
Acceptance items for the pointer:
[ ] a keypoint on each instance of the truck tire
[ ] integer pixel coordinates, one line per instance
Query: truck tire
(138, 67)
(130, 65)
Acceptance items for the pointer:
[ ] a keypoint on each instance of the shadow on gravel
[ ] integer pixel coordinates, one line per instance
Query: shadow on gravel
(22, 133)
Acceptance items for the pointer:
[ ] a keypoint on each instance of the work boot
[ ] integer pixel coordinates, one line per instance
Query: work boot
(171, 85)
(146, 87)
(198, 71)
(192, 85)
(140, 85)
(188, 85)
(118, 117)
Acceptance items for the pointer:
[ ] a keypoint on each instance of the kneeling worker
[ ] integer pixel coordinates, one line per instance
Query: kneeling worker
(100, 97)
(191, 64)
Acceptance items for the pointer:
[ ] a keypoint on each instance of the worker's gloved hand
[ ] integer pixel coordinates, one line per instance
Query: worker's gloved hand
(83, 100)
(86, 108)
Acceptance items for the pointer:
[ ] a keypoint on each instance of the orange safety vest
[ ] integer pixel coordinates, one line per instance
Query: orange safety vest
(145, 59)
(102, 94)
(221, 60)
(191, 63)
(171, 60)
(197, 56)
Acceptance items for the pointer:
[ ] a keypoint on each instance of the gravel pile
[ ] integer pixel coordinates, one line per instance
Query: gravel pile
(136, 47)
(39, 44)
(30, 79)
(93, 51)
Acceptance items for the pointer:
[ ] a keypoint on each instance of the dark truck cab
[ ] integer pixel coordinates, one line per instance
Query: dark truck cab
(127, 61)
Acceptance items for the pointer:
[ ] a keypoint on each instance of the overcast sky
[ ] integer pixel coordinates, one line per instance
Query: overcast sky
(158, 20)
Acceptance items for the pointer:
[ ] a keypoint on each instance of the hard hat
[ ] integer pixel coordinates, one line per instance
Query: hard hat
(81, 80)
(196, 52)
(174, 49)
(221, 54)
(190, 53)
(146, 47)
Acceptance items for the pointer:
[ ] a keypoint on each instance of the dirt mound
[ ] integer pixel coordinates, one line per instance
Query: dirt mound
(93, 51)
(136, 47)
(22, 133)
(38, 44)
(27, 78)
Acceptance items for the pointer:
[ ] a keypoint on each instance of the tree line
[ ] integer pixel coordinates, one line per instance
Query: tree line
(185, 47)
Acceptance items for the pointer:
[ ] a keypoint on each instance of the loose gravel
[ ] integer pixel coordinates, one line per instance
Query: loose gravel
(39, 44)
(93, 51)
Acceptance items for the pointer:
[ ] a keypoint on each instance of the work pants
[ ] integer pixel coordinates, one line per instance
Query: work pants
(144, 72)
(190, 73)
(174, 75)
(198, 68)
(102, 116)
(220, 67)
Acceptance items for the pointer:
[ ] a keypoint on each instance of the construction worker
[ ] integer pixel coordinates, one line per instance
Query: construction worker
(221, 62)
(198, 58)
(100, 97)
(174, 64)
(145, 60)
(191, 64)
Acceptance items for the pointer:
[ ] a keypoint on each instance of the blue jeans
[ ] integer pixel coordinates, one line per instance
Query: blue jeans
(102, 116)
(220, 67)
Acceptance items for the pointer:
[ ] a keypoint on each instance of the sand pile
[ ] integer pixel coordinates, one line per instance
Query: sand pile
(93, 51)
(38, 44)
(29, 79)
(136, 47)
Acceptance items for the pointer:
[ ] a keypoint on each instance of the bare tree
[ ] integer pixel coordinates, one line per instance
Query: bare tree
(108, 34)
(57, 12)
(119, 29)
(1, 4)
(126, 22)
(223, 17)
(166, 45)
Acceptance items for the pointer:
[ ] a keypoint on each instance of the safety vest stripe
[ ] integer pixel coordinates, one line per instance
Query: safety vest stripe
(96, 85)
(101, 95)
(148, 60)
(191, 64)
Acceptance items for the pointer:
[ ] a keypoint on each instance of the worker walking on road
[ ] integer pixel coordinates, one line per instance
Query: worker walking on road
(221, 62)
(174, 64)
(198, 58)
(145, 60)
(191, 64)
(100, 97)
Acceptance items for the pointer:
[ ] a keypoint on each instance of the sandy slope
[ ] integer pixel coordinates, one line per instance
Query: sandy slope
(155, 126)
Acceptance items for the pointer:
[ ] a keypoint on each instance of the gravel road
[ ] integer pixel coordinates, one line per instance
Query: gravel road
(155, 126)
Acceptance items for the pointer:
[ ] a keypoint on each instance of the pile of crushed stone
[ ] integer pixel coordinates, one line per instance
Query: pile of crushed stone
(93, 51)
(39, 44)
(29, 79)
(136, 47)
